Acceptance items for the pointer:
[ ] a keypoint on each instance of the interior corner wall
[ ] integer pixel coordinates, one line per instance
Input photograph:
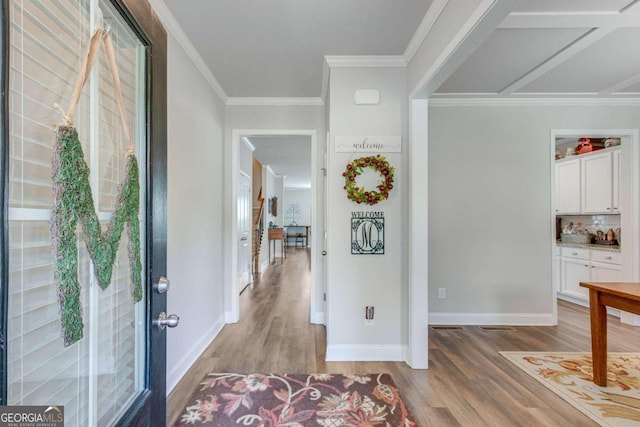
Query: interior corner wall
(356, 281)
(195, 224)
(490, 208)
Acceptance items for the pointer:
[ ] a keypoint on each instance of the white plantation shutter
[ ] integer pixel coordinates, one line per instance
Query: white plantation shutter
(97, 377)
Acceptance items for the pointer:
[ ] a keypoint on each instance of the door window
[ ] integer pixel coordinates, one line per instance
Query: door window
(97, 377)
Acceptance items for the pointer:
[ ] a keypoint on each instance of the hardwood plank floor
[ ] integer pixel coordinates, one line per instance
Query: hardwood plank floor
(467, 384)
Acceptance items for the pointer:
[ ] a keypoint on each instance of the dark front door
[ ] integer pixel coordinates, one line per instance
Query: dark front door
(113, 372)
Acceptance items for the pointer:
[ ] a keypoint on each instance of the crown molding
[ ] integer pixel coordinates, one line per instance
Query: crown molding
(365, 61)
(550, 102)
(172, 26)
(275, 101)
(430, 18)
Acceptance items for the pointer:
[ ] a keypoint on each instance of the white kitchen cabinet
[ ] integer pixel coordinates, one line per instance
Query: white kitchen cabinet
(589, 183)
(587, 265)
(568, 186)
(617, 179)
(601, 272)
(574, 271)
(596, 183)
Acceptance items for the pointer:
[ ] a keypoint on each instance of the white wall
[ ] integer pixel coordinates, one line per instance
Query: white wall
(490, 208)
(301, 196)
(195, 233)
(355, 281)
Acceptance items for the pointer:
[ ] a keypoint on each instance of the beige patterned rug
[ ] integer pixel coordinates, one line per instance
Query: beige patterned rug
(569, 375)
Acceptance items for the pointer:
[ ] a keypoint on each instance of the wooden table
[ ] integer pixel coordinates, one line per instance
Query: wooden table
(276, 234)
(621, 295)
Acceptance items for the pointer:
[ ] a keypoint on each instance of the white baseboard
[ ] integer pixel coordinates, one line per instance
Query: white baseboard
(318, 318)
(175, 374)
(229, 317)
(511, 319)
(366, 353)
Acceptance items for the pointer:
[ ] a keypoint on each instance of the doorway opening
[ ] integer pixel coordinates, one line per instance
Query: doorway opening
(279, 201)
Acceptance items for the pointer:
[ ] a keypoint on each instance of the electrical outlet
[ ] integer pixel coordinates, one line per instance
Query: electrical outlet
(368, 315)
(442, 293)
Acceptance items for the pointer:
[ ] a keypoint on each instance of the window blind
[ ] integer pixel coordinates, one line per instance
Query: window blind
(98, 376)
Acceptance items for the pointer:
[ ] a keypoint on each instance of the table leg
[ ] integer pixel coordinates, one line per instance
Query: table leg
(598, 338)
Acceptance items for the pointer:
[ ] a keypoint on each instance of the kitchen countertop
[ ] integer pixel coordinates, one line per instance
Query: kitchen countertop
(612, 248)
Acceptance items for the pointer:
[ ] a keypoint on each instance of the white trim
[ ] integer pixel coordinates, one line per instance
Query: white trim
(621, 85)
(510, 319)
(179, 369)
(430, 18)
(248, 144)
(232, 158)
(514, 102)
(326, 72)
(447, 53)
(172, 26)
(275, 101)
(585, 20)
(418, 299)
(318, 318)
(563, 55)
(365, 61)
(365, 353)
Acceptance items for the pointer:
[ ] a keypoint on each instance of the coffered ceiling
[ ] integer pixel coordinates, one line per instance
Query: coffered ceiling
(556, 48)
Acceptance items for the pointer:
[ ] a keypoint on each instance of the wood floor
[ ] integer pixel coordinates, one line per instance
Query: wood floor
(467, 384)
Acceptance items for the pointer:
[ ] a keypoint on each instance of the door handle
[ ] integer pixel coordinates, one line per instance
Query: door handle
(244, 238)
(164, 321)
(162, 285)
(324, 253)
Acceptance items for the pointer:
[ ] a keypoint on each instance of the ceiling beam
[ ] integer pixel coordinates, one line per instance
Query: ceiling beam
(570, 20)
(616, 88)
(568, 52)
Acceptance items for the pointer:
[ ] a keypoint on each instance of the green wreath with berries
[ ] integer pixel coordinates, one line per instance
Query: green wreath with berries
(360, 194)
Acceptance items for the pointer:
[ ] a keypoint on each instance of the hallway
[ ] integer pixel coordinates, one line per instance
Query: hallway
(468, 383)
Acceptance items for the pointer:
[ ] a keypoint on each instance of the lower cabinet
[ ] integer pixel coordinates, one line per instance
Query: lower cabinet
(587, 265)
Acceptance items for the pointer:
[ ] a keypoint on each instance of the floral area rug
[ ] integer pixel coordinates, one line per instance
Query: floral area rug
(570, 376)
(269, 400)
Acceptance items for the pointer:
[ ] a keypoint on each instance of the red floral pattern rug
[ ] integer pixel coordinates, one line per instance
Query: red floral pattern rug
(269, 400)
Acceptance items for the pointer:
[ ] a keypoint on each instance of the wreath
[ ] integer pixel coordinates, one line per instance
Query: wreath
(360, 194)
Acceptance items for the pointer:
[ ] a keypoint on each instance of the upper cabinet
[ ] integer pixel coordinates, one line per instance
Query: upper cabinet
(589, 183)
(568, 186)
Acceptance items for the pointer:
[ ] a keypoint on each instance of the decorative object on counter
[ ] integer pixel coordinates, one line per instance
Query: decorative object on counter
(569, 229)
(611, 142)
(571, 151)
(360, 194)
(618, 232)
(605, 238)
(582, 238)
(584, 146)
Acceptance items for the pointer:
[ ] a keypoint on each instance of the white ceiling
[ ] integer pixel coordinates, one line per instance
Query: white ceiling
(276, 48)
(543, 49)
(288, 155)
